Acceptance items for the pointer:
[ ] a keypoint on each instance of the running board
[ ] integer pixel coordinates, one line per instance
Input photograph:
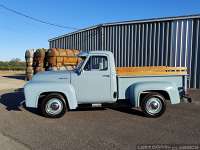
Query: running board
(96, 105)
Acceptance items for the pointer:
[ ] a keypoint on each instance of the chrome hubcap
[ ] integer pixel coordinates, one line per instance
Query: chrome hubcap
(154, 105)
(54, 106)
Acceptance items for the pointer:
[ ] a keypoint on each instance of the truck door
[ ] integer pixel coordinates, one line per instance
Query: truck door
(93, 84)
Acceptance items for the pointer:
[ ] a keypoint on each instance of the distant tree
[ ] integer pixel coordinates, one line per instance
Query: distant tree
(13, 64)
(15, 60)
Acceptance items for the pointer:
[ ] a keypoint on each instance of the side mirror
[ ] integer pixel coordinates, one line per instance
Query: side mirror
(80, 71)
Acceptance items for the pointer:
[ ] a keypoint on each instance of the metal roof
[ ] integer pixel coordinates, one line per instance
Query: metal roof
(129, 22)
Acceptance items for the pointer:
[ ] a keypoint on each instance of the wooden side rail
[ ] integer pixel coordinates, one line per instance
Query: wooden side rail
(153, 70)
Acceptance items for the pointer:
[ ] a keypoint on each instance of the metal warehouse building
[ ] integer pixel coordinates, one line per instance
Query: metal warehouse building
(173, 41)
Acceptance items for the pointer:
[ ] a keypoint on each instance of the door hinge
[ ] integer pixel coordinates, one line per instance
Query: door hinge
(115, 95)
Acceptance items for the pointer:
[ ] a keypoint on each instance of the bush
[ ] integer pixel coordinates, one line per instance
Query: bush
(14, 64)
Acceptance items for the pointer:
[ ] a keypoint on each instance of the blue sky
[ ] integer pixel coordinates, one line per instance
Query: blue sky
(18, 33)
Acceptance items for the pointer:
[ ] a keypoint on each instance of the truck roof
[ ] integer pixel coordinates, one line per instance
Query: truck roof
(85, 53)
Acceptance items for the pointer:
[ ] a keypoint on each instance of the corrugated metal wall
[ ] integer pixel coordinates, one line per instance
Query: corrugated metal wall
(152, 43)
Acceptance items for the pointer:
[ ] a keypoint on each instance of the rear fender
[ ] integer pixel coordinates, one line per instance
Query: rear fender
(139, 88)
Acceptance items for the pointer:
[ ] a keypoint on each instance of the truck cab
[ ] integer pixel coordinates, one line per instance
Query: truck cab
(96, 80)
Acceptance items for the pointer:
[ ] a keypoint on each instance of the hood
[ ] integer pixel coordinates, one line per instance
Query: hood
(53, 76)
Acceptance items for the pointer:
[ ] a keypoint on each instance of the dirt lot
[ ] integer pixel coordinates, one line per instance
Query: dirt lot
(97, 128)
(11, 79)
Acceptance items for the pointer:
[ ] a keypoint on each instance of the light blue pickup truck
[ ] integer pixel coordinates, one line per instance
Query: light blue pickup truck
(96, 81)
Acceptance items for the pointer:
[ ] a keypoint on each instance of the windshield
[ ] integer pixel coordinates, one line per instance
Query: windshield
(80, 63)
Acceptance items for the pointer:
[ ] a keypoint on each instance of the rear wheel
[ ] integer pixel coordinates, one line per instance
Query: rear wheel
(153, 105)
(53, 106)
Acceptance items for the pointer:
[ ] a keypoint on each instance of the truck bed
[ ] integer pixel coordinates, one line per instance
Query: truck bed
(128, 76)
(155, 70)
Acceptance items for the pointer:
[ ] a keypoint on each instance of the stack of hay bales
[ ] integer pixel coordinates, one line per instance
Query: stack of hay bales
(62, 59)
(53, 59)
(29, 62)
(39, 60)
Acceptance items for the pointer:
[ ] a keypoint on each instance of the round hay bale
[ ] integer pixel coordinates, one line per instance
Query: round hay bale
(62, 52)
(52, 52)
(30, 72)
(52, 61)
(29, 60)
(40, 53)
(38, 69)
(29, 77)
(61, 57)
(53, 68)
(29, 64)
(29, 53)
(70, 60)
(70, 67)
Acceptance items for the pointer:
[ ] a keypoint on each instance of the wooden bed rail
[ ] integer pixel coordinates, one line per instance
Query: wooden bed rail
(153, 70)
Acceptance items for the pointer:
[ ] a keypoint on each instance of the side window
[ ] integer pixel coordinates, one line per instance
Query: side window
(97, 63)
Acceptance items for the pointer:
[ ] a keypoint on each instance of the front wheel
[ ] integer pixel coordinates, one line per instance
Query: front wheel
(53, 106)
(153, 105)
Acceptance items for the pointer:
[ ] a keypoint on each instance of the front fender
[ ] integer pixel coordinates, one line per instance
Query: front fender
(33, 90)
(141, 87)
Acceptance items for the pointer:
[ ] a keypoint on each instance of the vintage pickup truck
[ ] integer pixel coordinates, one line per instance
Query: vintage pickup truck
(96, 81)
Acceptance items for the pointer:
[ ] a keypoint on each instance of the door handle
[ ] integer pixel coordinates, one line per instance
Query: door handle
(105, 75)
(62, 78)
